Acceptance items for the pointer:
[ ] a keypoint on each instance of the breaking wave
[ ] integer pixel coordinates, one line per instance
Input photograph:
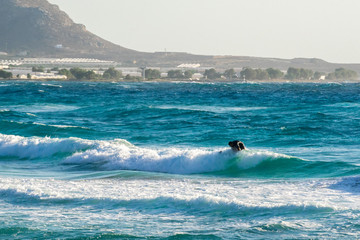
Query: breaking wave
(119, 154)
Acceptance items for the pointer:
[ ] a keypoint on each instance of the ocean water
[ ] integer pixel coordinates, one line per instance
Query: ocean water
(87, 160)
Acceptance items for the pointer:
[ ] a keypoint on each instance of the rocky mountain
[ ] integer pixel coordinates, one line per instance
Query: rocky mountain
(36, 28)
(39, 28)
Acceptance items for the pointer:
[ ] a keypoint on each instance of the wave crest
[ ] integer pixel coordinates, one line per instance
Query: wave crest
(36, 147)
(112, 155)
(119, 154)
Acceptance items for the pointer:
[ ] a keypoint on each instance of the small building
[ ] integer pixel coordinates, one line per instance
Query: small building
(197, 76)
(4, 67)
(43, 76)
(189, 65)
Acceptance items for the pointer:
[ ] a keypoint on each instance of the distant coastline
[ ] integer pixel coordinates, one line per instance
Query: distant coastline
(194, 74)
(188, 81)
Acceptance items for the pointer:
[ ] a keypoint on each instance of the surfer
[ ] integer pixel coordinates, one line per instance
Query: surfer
(237, 145)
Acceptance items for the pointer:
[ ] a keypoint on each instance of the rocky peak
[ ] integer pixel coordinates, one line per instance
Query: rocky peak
(42, 29)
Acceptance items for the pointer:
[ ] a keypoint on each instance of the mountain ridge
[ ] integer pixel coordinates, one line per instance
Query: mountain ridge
(41, 28)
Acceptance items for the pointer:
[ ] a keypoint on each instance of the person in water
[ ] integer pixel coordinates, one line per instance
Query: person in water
(237, 145)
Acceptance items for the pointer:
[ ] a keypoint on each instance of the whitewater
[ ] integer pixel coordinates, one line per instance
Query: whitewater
(88, 160)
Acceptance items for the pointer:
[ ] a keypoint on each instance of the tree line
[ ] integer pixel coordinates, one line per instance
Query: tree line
(83, 74)
(271, 73)
(230, 74)
(5, 74)
(245, 74)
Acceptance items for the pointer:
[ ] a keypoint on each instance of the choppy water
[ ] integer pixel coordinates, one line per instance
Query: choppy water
(85, 160)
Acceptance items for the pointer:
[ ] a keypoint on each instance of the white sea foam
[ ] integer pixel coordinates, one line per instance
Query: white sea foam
(345, 105)
(119, 154)
(46, 125)
(39, 108)
(214, 109)
(67, 126)
(275, 206)
(30, 114)
(304, 195)
(57, 126)
(116, 155)
(51, 85)
(35, 147)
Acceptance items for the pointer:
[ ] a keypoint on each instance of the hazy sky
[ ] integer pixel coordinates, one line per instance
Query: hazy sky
(327, 29)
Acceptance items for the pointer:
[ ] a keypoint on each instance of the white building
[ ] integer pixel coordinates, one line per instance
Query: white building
(189, 65)
(65, 61)
(10, 62)
(3, 67)
(197, 76)
(57, 61)
(47, 76)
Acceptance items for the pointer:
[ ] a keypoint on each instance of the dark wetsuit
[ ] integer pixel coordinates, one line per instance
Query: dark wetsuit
(237, 145)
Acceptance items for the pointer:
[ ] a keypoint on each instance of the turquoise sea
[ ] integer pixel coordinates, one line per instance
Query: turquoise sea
(88, 160)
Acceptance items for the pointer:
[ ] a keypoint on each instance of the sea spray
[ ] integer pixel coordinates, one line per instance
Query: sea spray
(37, 147)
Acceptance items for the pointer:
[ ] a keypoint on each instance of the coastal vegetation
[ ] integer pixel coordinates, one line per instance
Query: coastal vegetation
(178, 74)
(83, 74)
(38, 69)
(274, 73)
(299, 73)
(296, 74)
(112, 73)
(128, 77)
(152, 74)
(175, 74)
(245, 74)
(230, 73)
(66, 73)
(292, 73)
(5, 74)
(342, 73)
(254, 74)
(189, 73)
(211, 74)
